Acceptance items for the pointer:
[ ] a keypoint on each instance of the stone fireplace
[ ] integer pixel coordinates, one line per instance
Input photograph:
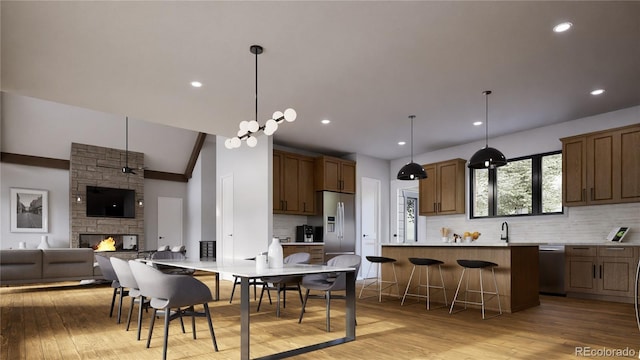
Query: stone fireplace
(100, 166)
(101, 242)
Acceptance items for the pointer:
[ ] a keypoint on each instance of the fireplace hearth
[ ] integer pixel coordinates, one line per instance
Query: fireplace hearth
(109, 242)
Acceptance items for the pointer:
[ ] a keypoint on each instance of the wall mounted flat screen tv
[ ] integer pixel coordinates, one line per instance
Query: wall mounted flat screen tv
(110, 202)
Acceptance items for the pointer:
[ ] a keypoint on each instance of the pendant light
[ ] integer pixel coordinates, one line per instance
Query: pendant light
(412, 171)
(488, 157)
(249, 128)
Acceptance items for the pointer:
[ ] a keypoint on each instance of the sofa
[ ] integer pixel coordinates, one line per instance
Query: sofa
(28, 266)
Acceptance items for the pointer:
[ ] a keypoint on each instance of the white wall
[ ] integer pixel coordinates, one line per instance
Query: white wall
(253, 195)
(193, 228)
(369, 167)
(153, 189)
(43, 128)
(31, 177)
(200, 204)
(578, 224)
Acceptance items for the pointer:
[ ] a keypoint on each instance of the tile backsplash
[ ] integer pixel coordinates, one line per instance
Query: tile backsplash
(581, 224)
(284, 226)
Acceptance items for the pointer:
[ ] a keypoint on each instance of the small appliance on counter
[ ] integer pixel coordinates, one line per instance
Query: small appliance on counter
(304, 233)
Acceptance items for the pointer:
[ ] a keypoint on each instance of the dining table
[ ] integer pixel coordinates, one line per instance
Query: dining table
(246, 270)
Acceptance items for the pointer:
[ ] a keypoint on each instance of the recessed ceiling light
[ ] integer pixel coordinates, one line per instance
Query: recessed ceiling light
(196, 84)
(402, 143)
(597, 92)
(477, 123)
(325, 121)
(562, 27)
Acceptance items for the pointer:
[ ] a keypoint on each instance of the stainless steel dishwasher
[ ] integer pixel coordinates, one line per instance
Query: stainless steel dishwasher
(551, 259)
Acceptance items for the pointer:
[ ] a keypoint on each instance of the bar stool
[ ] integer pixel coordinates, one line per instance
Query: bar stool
(426, 263)
(476, 264)
(380, 284)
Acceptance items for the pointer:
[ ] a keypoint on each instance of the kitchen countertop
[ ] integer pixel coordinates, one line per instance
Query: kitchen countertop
(301, 243)
(504, 244)
(471, 244)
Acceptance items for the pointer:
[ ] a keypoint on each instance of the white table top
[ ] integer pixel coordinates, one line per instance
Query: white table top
(247, 268)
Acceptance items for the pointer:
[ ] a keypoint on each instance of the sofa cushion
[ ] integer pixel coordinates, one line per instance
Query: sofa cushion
(23, 264)
(67, 263)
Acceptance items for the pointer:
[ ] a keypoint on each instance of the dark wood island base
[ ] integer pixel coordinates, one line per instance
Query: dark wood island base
(516, 274)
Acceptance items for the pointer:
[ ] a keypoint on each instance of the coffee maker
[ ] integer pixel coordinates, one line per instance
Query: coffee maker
(304, 233)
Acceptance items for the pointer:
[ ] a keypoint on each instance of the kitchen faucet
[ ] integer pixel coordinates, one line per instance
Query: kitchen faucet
(505, 229)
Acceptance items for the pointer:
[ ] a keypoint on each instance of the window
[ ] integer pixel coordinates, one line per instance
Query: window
(529, 185)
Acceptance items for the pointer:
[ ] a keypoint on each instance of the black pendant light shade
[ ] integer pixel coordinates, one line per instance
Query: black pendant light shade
(412, 171)
(488, 157)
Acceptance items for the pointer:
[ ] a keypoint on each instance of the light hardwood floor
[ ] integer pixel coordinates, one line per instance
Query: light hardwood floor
(70, 321)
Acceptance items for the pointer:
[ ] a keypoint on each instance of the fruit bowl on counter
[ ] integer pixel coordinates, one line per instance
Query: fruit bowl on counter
(470, 236)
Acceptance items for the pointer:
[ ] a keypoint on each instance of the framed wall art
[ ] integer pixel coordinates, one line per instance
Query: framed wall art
(29, 210)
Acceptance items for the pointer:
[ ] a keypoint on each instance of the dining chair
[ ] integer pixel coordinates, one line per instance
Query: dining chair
(283, 283)
(252, 282)
(178, 292)
(171, 254)
(109, 274)
(128, 281)
(329, 282)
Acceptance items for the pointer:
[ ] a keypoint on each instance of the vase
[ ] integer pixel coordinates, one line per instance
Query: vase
(274, 254)
(44, 242)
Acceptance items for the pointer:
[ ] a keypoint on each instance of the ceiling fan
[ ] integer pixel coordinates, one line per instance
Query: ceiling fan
(126, 169)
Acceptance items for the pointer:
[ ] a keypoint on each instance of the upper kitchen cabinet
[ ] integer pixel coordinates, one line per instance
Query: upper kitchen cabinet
(442, 192)
(335, 174)
(601, 167)
(293, 184)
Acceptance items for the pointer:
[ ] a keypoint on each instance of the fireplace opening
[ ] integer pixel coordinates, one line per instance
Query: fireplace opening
(109, 242)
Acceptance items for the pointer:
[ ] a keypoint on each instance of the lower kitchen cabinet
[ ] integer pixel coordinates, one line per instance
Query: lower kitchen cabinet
(316, 251)
(601, 272)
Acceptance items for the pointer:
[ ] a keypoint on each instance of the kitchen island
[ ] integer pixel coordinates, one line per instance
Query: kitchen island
(516, 273)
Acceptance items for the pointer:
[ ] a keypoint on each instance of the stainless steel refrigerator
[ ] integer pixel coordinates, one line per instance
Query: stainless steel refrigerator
(336, 216)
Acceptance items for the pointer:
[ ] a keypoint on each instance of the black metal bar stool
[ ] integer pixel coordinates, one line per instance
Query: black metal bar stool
(426, 263)
(380, 285)
(476, 264)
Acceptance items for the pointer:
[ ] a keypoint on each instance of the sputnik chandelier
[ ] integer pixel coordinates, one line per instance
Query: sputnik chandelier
(248, 129)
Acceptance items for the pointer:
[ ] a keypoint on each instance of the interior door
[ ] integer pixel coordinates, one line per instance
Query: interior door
(227, 217)
(169, 221)
(370, 222)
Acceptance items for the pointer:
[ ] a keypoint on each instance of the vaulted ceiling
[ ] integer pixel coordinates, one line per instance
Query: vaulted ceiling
(364, 65)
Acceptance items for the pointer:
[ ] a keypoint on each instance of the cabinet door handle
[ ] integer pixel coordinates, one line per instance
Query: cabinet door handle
(601, 270)
(434, 208)
(583, 195)
(580, 248)
(616, 248)
(594, 271)
(286, 205)
(591, 191)
(439, 207)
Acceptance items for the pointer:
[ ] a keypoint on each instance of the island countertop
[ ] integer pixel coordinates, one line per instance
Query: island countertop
(464, 244)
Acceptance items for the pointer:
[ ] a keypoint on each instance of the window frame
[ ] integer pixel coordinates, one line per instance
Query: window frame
(536, 189)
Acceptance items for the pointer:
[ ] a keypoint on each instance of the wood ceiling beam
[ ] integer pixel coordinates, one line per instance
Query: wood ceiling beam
(35, 161)
(197, 147)
(62, 164)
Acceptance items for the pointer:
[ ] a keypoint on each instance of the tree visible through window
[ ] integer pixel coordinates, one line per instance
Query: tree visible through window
(530, 185)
